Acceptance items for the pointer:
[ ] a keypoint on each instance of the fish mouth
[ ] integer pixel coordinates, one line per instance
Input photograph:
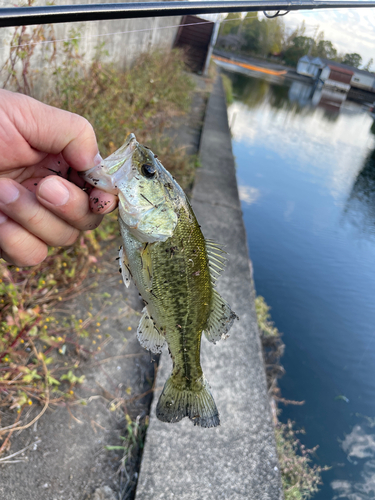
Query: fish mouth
(115, 169)
(116, 160)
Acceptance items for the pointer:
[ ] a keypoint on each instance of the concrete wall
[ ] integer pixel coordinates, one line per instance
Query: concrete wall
(124, 39)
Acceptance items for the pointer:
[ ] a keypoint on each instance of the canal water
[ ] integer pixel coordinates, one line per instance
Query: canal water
(306, 174)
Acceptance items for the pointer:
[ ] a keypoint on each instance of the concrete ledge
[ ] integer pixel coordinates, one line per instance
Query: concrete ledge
(237, 460)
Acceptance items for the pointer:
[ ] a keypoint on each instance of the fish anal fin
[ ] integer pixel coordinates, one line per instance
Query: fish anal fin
(148, 335)
(124, 267)
(175, 403)
(220, 320)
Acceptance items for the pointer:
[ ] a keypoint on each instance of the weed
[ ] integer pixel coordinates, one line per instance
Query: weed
(36, 349)
(273, 346)
(228, 88)
(300, 479)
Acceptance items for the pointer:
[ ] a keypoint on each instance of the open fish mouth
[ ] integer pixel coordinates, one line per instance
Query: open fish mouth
(113, 170)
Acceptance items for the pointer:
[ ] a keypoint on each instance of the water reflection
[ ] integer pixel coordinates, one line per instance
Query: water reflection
(358, 445)
(360, 207)
(299, 167)
(301, 93)
(299, 96)
(248, 194)
(250, 92)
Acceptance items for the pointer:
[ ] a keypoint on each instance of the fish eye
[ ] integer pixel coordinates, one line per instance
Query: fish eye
(148, 170)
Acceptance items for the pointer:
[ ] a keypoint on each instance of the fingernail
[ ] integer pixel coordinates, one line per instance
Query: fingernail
(8, 192)
(3, 217)
(54, 191)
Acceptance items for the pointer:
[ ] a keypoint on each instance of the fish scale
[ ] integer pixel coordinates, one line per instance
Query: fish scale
(185, 296)
(174, 268)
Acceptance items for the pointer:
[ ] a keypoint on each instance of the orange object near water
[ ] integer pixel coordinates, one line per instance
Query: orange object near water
(251, 66)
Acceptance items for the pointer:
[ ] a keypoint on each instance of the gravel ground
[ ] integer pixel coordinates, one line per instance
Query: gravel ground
(66, 456)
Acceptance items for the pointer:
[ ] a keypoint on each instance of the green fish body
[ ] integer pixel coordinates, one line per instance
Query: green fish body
(174, 268)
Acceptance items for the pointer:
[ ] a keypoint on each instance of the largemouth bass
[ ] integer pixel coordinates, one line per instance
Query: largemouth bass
(174, 268)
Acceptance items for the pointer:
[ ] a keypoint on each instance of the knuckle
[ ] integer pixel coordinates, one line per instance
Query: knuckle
(85, 220)
(84, 125)
(93, 224)
(37, 217)
(36, 257)
(24, 251)
(70, 238)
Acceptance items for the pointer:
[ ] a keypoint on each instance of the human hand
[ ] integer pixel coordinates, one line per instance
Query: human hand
(38, 209)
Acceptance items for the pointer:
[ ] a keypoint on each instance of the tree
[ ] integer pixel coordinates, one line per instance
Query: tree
(353, 59)
(231, 27)
(288, 38)
(368, 65)
(299, 48)
(325, 49)
(274, 35)
(252, 32)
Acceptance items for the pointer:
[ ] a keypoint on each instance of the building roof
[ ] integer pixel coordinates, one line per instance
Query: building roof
(339, 69)
(330, 63)
(306, 58)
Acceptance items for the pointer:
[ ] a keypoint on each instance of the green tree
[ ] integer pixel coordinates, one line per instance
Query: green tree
(231, 24)
(300, 47)
(288, 38)
(274, 35)
(252, 32)
(353, 59)
(262, 37)
(325, 49)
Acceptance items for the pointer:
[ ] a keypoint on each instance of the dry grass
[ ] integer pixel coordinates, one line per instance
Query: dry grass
(38, 354)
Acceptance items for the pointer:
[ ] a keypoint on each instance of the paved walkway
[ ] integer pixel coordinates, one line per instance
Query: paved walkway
(237, 460)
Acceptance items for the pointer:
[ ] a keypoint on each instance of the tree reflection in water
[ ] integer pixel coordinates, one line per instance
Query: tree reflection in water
(360, 206)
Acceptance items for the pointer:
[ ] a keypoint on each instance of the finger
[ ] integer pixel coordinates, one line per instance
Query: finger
(42, 128)
(68, 202)
(18, 246)
(23, 207)
(7, 258)
(102, 202)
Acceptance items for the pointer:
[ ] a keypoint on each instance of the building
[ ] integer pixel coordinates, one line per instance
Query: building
(336, 78)
(332, 73)
(197, 36)
(309, 66)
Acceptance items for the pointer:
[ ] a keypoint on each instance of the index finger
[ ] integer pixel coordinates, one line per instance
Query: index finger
(49, 130)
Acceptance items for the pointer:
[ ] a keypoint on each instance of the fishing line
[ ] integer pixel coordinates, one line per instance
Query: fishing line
(45, 42)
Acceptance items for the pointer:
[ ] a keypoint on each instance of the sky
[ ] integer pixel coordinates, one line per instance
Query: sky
(350, 30)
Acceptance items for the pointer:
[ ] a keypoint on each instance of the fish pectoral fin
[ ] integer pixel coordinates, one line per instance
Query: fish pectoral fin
(146, 262)
(216, 259)
(148, 335)
(220, 320)
(124, 267)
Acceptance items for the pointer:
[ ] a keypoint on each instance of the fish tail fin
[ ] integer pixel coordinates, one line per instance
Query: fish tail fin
(174, 404)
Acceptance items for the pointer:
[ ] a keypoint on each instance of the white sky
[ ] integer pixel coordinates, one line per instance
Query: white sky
(350, 30)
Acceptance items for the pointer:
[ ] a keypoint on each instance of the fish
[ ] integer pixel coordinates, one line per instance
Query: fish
(175, 270)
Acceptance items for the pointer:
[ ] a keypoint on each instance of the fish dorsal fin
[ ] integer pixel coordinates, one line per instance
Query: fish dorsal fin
(216, 259)
(220, 320)
(124, 267)
(148, 335)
